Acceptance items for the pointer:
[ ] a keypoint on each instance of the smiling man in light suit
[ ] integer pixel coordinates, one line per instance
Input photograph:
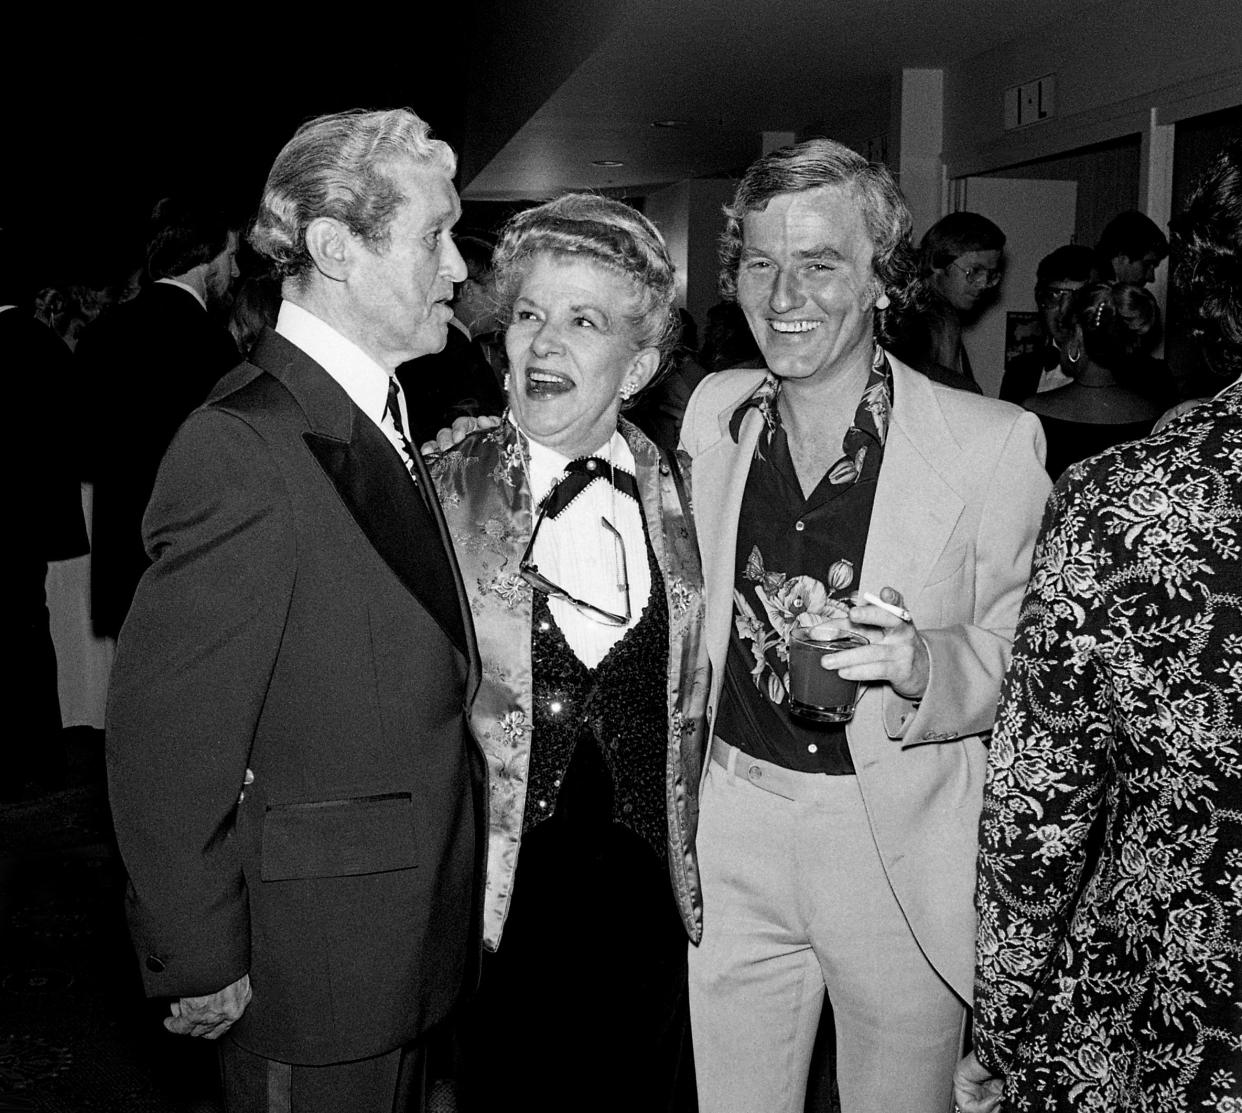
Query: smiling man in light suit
(841, 859)
(297, 797)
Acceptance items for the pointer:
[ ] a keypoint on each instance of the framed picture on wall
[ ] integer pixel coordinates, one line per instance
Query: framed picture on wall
(1024, 335)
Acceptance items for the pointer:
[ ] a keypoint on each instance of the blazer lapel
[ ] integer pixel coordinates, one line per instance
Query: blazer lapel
(377, 490)
(373, 483)
(719, 481)
(915, 508)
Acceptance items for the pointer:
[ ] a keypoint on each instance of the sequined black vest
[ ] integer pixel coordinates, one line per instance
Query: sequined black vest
(600, 738)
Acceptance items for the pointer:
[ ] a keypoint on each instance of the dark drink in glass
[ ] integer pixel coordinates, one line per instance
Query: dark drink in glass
(818, 694)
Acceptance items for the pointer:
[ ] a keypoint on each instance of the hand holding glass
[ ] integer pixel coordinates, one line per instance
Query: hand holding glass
(818, 694)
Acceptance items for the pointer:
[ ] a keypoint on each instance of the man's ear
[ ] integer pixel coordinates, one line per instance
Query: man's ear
(331, 247)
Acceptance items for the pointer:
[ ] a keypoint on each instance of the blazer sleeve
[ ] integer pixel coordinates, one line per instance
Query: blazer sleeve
(193, 663)
(969, 660)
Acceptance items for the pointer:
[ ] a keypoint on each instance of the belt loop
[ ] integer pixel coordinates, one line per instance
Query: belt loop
(731, 764)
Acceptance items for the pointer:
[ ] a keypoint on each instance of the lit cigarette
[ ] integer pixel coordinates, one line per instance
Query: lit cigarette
(892, 608)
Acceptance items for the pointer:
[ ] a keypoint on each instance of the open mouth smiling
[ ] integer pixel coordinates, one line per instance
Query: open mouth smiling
(541, 383)
(792, 328)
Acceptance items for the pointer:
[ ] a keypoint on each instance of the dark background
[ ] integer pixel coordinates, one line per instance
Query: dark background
(105, 118)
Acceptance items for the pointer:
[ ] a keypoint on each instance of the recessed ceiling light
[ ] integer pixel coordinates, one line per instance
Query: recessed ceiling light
(609, 162)
(670, 123)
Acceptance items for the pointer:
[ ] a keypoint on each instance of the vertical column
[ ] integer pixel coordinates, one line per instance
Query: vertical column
(1156, 193)
(919, 166)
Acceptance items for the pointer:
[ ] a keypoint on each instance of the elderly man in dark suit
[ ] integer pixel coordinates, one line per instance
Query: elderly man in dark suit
(143, 367)
(296, 794)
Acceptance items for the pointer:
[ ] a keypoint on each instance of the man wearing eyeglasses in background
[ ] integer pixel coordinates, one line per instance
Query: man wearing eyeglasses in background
(1058, 276)
(960, 264)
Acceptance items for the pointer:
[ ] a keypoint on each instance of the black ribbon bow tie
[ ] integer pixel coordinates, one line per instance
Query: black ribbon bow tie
(579, 475)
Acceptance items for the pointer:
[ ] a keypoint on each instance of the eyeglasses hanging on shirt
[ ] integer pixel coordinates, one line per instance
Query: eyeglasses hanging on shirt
(580, 474)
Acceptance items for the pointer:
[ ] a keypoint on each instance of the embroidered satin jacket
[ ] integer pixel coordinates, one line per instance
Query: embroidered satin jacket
(485, 493)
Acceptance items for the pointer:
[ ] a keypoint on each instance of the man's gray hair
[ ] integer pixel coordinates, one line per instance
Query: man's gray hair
(822, 162)
(337, 166)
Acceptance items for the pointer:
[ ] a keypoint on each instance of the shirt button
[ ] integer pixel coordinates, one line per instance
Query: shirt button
(812, 749)
(543, 803)
(799, 525)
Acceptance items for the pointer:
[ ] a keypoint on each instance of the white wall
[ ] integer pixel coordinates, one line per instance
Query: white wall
(689, 217)
(1114, 64)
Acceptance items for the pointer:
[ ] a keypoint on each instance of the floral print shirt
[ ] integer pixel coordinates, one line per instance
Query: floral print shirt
(798, 561)
(1109, 955)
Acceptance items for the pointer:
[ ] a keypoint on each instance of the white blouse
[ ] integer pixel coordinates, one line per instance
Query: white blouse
(579, 554)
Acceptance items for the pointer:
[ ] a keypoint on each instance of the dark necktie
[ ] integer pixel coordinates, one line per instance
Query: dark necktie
(579, 475)
(393, 410)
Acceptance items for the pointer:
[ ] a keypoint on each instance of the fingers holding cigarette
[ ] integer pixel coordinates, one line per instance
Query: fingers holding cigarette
(893, 608)
(900, 657)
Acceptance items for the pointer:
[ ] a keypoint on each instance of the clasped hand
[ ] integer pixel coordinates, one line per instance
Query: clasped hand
(461, 428)
(898, 656)
(212, 1015)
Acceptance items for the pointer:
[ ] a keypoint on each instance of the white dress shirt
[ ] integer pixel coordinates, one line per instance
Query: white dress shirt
(578, 554)
(364, 380)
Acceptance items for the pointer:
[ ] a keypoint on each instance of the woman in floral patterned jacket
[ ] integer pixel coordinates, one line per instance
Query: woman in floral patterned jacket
(1109, 958)
(576, 545)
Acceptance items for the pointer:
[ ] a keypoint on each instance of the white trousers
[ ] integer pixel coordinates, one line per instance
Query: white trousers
(796, 904)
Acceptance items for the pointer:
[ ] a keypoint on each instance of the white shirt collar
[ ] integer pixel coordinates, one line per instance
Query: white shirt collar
(547, 465)
(183, 286)
(364, 380)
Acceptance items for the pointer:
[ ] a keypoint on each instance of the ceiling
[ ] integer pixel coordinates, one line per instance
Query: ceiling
(569, 83)
(110, 112)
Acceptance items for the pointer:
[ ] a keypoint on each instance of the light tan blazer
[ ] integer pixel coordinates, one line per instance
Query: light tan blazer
(957, 508)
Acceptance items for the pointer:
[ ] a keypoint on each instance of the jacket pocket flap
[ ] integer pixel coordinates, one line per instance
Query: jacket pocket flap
(339, 838)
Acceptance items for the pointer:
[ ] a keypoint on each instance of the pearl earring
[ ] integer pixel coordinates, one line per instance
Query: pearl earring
(882, 302)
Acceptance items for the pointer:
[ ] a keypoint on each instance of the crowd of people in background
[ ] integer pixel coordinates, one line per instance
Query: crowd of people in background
(1041, 826)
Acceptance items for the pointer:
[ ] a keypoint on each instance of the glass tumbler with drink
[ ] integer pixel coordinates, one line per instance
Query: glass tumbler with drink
(818, 694)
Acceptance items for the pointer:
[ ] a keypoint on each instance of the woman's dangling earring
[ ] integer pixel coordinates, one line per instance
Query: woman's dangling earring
(1073, 353)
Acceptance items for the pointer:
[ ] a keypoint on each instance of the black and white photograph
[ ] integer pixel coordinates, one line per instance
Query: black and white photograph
(625, 556)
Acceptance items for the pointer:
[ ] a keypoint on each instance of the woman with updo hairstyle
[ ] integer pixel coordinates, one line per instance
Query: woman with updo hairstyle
(1109, 323)
(575, 540)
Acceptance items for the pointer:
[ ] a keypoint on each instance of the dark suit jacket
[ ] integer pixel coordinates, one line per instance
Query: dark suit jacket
(450, 383)
(38, 372)
(143, 366)
(303, 617)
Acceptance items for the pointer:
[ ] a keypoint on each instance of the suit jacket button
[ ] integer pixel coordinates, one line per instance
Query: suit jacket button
(155, 964)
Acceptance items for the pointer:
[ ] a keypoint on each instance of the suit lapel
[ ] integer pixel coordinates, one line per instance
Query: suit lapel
(719, 482)
(915, 508)
(371, 480)
(378, 492)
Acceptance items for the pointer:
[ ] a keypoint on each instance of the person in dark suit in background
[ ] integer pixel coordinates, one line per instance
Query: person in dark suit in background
(49, 526)
(296, 794)
(143, 368)
(458, 381)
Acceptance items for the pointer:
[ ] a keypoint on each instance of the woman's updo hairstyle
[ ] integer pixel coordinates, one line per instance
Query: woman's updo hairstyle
(1116, 320)
(605, 232)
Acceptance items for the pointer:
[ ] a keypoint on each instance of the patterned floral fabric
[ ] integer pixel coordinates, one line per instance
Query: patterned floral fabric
(1110, 871)
(770, 598)
(487, 503)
